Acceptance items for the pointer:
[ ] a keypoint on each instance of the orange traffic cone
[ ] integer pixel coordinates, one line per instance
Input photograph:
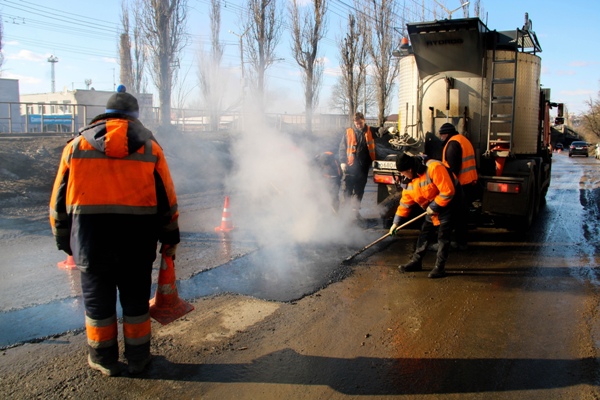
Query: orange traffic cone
(226, 224)
(69, 263)
(166, 306)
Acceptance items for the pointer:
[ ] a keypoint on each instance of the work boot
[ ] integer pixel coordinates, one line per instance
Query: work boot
(108, 369)
(411, 266)
(437, 272)
(138, 366)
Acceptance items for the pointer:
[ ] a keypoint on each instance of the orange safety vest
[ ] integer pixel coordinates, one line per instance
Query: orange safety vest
(125, 185)
(351, 144)
(435, 189)
(468, 167)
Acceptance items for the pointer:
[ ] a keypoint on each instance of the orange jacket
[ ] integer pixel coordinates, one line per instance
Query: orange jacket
(351, 144)
(113, 196)
(435, 188)
(468, 168)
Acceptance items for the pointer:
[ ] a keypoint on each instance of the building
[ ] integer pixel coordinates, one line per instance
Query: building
(9, 108)
(70, 110)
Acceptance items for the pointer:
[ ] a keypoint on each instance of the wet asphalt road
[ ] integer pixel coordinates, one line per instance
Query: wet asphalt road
(559, 254)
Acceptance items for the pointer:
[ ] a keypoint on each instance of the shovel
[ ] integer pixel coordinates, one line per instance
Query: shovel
(347, 260)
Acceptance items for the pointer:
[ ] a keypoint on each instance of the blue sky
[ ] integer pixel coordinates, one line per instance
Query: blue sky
(83, 35)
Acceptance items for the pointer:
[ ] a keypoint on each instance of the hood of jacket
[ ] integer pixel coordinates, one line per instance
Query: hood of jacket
(116, 135)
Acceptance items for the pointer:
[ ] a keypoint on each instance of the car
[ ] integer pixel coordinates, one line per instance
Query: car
(559, 146)
(578, 148)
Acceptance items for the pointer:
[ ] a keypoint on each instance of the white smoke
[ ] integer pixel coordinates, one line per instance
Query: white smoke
(279, 191)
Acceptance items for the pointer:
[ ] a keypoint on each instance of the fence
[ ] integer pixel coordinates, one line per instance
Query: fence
(36, 117)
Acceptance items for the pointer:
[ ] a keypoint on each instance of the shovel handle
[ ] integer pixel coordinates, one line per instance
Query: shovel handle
(383, 237)
(412, 220)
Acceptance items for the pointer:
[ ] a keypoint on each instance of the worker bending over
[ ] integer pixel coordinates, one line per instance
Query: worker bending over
(434, 188)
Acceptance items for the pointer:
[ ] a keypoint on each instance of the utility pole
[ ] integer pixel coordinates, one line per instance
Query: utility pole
(52, 60)
(242, 59)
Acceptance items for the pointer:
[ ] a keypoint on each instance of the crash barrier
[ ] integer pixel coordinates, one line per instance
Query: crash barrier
(166, 306)
(226, 223)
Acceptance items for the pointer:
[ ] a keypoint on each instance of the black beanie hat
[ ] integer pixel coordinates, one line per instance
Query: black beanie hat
(447, 129)
(123, 103)
(404, 162)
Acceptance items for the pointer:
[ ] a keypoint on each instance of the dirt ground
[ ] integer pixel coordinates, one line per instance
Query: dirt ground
(518, 327)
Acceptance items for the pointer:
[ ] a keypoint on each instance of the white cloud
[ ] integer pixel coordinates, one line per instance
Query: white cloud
(578, 92)
(565, 72)
(22, 78)
(582, 63)
(27, 55)
(336, 71)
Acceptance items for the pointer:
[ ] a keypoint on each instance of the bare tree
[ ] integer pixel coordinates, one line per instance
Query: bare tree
(211, 79)
(381, 18)
(164, 30)
(353, 62)
(132, 69)
(263, 27)
(139, 51)
(339, 100)
(126, 70)
(591, 118)
(308, 28)
(1, 43)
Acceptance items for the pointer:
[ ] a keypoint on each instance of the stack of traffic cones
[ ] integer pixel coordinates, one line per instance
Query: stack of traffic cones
(166, 306)
(226, 224)
(69, 263)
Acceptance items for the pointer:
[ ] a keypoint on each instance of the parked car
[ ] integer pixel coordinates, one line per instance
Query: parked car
(578, 149)
(559, 146)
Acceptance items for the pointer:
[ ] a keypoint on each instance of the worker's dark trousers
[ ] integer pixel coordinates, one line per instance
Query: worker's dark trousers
(353, 184)
(427, 236)
(99, 290)
(444, 233)
(461, 221)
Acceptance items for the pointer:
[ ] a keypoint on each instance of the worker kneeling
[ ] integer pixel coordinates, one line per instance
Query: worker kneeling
(433, 187)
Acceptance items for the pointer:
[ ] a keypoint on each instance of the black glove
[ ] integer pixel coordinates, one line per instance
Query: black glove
(64, 243)
(169, 250)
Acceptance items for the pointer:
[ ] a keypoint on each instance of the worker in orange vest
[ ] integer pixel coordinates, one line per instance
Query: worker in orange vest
(113, 199)
(434, 188)
(459, 156)
(356, 154)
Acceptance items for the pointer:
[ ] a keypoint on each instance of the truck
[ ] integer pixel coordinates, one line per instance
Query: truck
(487, 84)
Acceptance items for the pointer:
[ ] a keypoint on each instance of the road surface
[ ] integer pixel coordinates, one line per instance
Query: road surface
(517, 318)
